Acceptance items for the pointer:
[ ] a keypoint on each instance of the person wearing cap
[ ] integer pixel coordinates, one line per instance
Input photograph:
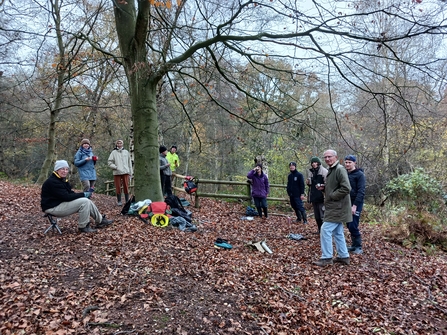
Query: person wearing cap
(259, 189)
(121, 164)
(165, 171)
(316, 176)
(295, 190)
(337, 211)
(58, 199)
(358, 181)
(173, 159)
(85, 161)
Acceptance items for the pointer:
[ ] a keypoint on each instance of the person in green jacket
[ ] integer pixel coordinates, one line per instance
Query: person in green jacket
(337, 203)
(173, 159)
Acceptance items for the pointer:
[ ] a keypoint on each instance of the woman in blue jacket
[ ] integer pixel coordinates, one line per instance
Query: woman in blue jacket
(85, 161)
(259, 189)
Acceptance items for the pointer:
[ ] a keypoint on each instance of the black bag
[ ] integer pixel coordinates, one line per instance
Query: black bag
(127, 205)
(174, 202)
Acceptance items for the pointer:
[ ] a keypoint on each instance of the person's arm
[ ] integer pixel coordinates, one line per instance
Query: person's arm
(301, 185)
(79, 160)
(344, 184)
(251, 174)
(111, 161)
(361, 184)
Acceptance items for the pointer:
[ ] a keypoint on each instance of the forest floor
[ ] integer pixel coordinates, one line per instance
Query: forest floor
(133, 278)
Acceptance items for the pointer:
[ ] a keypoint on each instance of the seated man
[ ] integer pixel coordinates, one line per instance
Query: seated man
(58, 199)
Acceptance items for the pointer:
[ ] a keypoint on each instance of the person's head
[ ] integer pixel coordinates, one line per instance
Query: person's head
(315, 162)
(85, 143)
(173, 149)
(350, 161)
(119, 144)
(61, 168)
(163, 150)
(330, 157)
(292, 166)
(258, 168)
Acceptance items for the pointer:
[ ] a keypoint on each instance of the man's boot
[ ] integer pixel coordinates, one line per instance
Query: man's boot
(357, 246)
(126, 197)
(344, 261)
(259, 211)
(303, 214)
(298, 217)
(265, 211)
(118, 197)
(104, 222)
(87, 229)
(324, 262)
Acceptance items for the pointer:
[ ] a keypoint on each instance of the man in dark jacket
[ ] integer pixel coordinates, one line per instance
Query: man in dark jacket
(358, 181)
(295, 190)
(58, 199)
(317, 176)
(337, 211)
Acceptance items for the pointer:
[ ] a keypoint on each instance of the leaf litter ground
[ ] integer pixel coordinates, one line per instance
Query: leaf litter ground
(133, 278)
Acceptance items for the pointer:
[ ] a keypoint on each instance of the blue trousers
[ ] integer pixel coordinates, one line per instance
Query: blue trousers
(335, 230)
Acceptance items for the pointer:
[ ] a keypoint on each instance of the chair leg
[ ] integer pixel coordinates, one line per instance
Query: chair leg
(53, 225)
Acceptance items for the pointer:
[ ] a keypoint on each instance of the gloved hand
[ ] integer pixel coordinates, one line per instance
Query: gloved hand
(88, 194)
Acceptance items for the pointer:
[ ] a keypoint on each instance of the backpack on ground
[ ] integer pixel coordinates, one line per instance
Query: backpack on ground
(189, 185)
(174, 202)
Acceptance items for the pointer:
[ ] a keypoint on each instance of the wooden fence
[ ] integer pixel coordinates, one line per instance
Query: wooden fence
(110, 188)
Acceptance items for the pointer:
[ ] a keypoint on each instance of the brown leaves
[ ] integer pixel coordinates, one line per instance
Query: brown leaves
(141, 279)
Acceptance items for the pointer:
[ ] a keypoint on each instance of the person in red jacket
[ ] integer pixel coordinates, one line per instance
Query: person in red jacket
(58, 199)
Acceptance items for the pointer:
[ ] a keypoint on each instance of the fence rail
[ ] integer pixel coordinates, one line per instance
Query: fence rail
(197, 195)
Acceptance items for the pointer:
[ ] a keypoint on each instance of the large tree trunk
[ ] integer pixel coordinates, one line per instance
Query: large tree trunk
(143, 79)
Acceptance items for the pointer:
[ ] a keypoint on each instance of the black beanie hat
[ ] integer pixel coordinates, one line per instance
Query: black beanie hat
(292, 163)
(162, 149)
(315, 160)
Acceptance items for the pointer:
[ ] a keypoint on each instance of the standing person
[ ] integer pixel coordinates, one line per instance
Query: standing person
(337, 205)
(85, 161)
(57, 198)
(295, 190)
(121, 164)
(260, 188)
(317, 175)
(173, 159)
(165, 171)
(358, 181)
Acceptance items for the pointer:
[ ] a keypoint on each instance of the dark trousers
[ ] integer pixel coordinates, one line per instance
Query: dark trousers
(353, 226)
(166, 186)
(297, 205)
(318, 213)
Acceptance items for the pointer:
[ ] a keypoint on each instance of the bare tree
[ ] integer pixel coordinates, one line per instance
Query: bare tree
(157, 38)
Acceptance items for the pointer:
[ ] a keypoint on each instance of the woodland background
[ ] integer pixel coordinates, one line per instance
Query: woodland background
(52, 79)
(229, 81)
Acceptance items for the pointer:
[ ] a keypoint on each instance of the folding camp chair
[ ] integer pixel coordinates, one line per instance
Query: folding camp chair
(53, 220)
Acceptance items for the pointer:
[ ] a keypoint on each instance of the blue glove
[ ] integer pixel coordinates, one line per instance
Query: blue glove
(88, 194)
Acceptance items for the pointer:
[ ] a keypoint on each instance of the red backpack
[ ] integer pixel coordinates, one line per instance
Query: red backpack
(189, 185)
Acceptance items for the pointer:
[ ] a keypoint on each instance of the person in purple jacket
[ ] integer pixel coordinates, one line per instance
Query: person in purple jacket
(259, 189)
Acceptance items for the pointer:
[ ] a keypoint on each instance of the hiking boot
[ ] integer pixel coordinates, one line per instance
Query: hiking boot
(324, 262)
(104, 222)
(344, 261)
(356, 251)
(305, 222)
(119, 203)
(87, 229)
